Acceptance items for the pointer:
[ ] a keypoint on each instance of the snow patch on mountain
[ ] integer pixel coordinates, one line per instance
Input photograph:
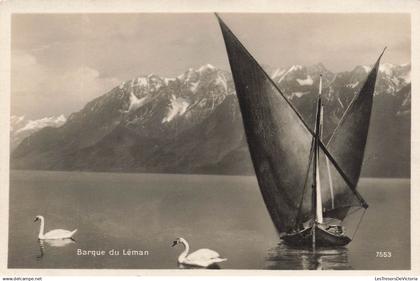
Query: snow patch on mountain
(206, 67)
(353, 85)
(194, 86)
(387, 68)
(406, 101)
(278, 73)
(295, 68)
(366, 68)
(155, 82)
(407, 77)
(52, 121)
(16, 121)
(188, 75)
(221, 81)
(177, 107)
(142, 82)
(181, 76)
(305, 82)
(283, 74)
(136, 103)
(298, 94)
(395, 80)
(167, 80)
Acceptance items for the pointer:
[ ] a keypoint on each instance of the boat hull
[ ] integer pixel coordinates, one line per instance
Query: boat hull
(323, 238)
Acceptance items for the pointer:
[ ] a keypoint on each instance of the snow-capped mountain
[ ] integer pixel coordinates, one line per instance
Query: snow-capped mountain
(298, 80)
(192, 123)
(21, 128)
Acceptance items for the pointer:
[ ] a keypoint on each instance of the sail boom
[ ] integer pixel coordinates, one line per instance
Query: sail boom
(352, 186)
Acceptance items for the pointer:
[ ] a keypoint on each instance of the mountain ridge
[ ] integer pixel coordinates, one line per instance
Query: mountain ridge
(192, 124)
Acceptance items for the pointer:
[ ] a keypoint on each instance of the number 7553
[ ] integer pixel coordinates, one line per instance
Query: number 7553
(383, 254)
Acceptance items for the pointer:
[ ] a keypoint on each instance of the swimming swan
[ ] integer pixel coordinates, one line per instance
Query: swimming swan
(53, 234)
(201, 258)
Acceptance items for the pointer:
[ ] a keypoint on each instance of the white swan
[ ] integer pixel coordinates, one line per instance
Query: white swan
(201, 258)
(53, 234)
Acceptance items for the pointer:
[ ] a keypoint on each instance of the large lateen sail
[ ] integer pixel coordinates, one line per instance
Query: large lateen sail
(348, 141)
(280, 142)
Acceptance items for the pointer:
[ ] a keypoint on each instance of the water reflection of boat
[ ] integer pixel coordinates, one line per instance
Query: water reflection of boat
(286, 257)
(308, 187)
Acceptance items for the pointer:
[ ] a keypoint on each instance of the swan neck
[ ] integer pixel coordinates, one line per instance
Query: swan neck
(41, 228)
(184, 254)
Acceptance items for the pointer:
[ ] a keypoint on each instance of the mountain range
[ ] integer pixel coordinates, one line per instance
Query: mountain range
(192, 123)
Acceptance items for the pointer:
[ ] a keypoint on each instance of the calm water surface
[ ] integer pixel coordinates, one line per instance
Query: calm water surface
(146, 212)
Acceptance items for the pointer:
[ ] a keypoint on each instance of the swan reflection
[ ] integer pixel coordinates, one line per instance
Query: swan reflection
(286, 257)
(58, 243)
(185, 266)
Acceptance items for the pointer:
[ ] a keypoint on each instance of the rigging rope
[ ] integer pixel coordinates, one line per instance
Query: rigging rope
(357, 227)
(356, 209)
(311, 154)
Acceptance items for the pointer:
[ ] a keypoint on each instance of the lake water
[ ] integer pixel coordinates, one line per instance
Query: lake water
(146, 212)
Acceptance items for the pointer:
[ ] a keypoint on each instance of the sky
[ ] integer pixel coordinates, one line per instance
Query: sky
(62, 61)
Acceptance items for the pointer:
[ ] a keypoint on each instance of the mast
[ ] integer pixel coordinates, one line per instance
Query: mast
(327, 162)
(319, 217)
(316, 193)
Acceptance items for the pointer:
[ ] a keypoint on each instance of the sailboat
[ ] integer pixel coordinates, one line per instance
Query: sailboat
(316, 232)
(308, 186)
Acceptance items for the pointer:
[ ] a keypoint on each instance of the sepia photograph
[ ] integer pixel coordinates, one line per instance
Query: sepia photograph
(213, 141)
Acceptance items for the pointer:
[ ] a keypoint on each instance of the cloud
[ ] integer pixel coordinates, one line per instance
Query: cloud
(83, 83)
(25, 72)
(61, 61)
(38, 90)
